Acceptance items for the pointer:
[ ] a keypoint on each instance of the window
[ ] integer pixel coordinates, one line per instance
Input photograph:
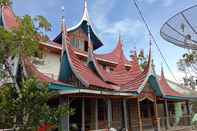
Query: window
(86, 46)
(104, 67)
(111, 69)
(77, 43)
(81, 45)
(74, 43)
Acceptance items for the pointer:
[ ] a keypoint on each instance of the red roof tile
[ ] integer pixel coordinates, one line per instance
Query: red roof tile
(83, 72)
(9, 18)
(115, 54)
(32, 70)
(135, 67)
(140, 78)
(168, 91)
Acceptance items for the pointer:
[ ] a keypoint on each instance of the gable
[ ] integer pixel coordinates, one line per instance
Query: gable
(152, 86)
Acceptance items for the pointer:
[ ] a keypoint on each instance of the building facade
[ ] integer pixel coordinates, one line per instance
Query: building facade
(105, 90)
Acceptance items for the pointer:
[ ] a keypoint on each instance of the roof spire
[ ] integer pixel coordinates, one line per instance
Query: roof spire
(162, 73)
(85, 12)
(64, 34)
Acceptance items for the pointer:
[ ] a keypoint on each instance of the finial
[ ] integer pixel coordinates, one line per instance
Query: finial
(150, 42)
(120, 41)
(62, 8)
(64, 33)
(63, 19)
(85, 13)
(86, 3)
(119, 35)
(162, 73)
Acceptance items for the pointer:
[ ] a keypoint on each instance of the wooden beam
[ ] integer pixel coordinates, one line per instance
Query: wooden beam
(83, 115)
(157, 119)
(188, 112)
(109, 113)
(167, 114)
(125, 114)
(96, 114)
(64, 122)
(139, 115)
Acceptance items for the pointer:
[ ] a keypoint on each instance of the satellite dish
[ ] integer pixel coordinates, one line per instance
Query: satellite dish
(181, 29)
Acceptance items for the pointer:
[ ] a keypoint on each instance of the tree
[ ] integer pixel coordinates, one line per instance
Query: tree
(43, 23)
(142, 59)
(5, 2)
(31, 110)
(16, 44)
(188, 65)
(24, 103)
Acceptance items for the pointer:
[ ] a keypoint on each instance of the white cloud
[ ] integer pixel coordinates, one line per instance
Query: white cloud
(127, 27)
(163, 2)
(168, 2)
(179, 76)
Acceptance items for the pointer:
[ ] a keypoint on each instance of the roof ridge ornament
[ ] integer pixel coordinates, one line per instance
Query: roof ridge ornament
(64, 34)
(85, 12)
(162, 73)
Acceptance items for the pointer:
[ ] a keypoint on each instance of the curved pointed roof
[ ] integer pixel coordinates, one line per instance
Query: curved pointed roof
(141, 79)
(135, 67)
(87, 76)
(168, 91)
(83, 24)
(9, 20)
(116, 54)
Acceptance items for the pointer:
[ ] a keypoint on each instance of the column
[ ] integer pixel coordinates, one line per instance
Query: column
(139, 115)
(109, 113)
(64, 122)
(125, 114)
(157, 119)
(167, 114)
(188, 112)
(96, 114)
(83, 115)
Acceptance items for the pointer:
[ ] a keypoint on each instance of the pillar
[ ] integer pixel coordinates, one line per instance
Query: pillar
(64, 121)
(139, 116)
(83, 115)
(96, 114)
(157, 119)
(167, 114)
(109, 113)
(188, 112)
(125, 114)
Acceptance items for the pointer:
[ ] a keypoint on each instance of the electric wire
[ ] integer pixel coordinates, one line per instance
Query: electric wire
(153, 38)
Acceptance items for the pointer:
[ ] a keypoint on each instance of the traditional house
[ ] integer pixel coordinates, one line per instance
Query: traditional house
(105, 90)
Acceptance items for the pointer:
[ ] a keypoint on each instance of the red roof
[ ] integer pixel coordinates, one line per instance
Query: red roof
(141, 78)
(32, 70)
(115, 55)
(120, 77)
(168, 91)
(83, 72)
(135, 67)
(9, 18)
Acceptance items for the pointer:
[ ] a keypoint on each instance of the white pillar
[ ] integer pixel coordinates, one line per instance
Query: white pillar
(83, 115)
(109, 113)
(96, 114)
(125, 114)
(64, 122)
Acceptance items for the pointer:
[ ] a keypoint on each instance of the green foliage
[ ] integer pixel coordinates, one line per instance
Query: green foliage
(5, 2)
(188, 65)
(143, 61)
(6, 41)
(31, 110)
(43, 23)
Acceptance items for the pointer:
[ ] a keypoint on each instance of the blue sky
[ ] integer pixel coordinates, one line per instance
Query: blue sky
(109, 17)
